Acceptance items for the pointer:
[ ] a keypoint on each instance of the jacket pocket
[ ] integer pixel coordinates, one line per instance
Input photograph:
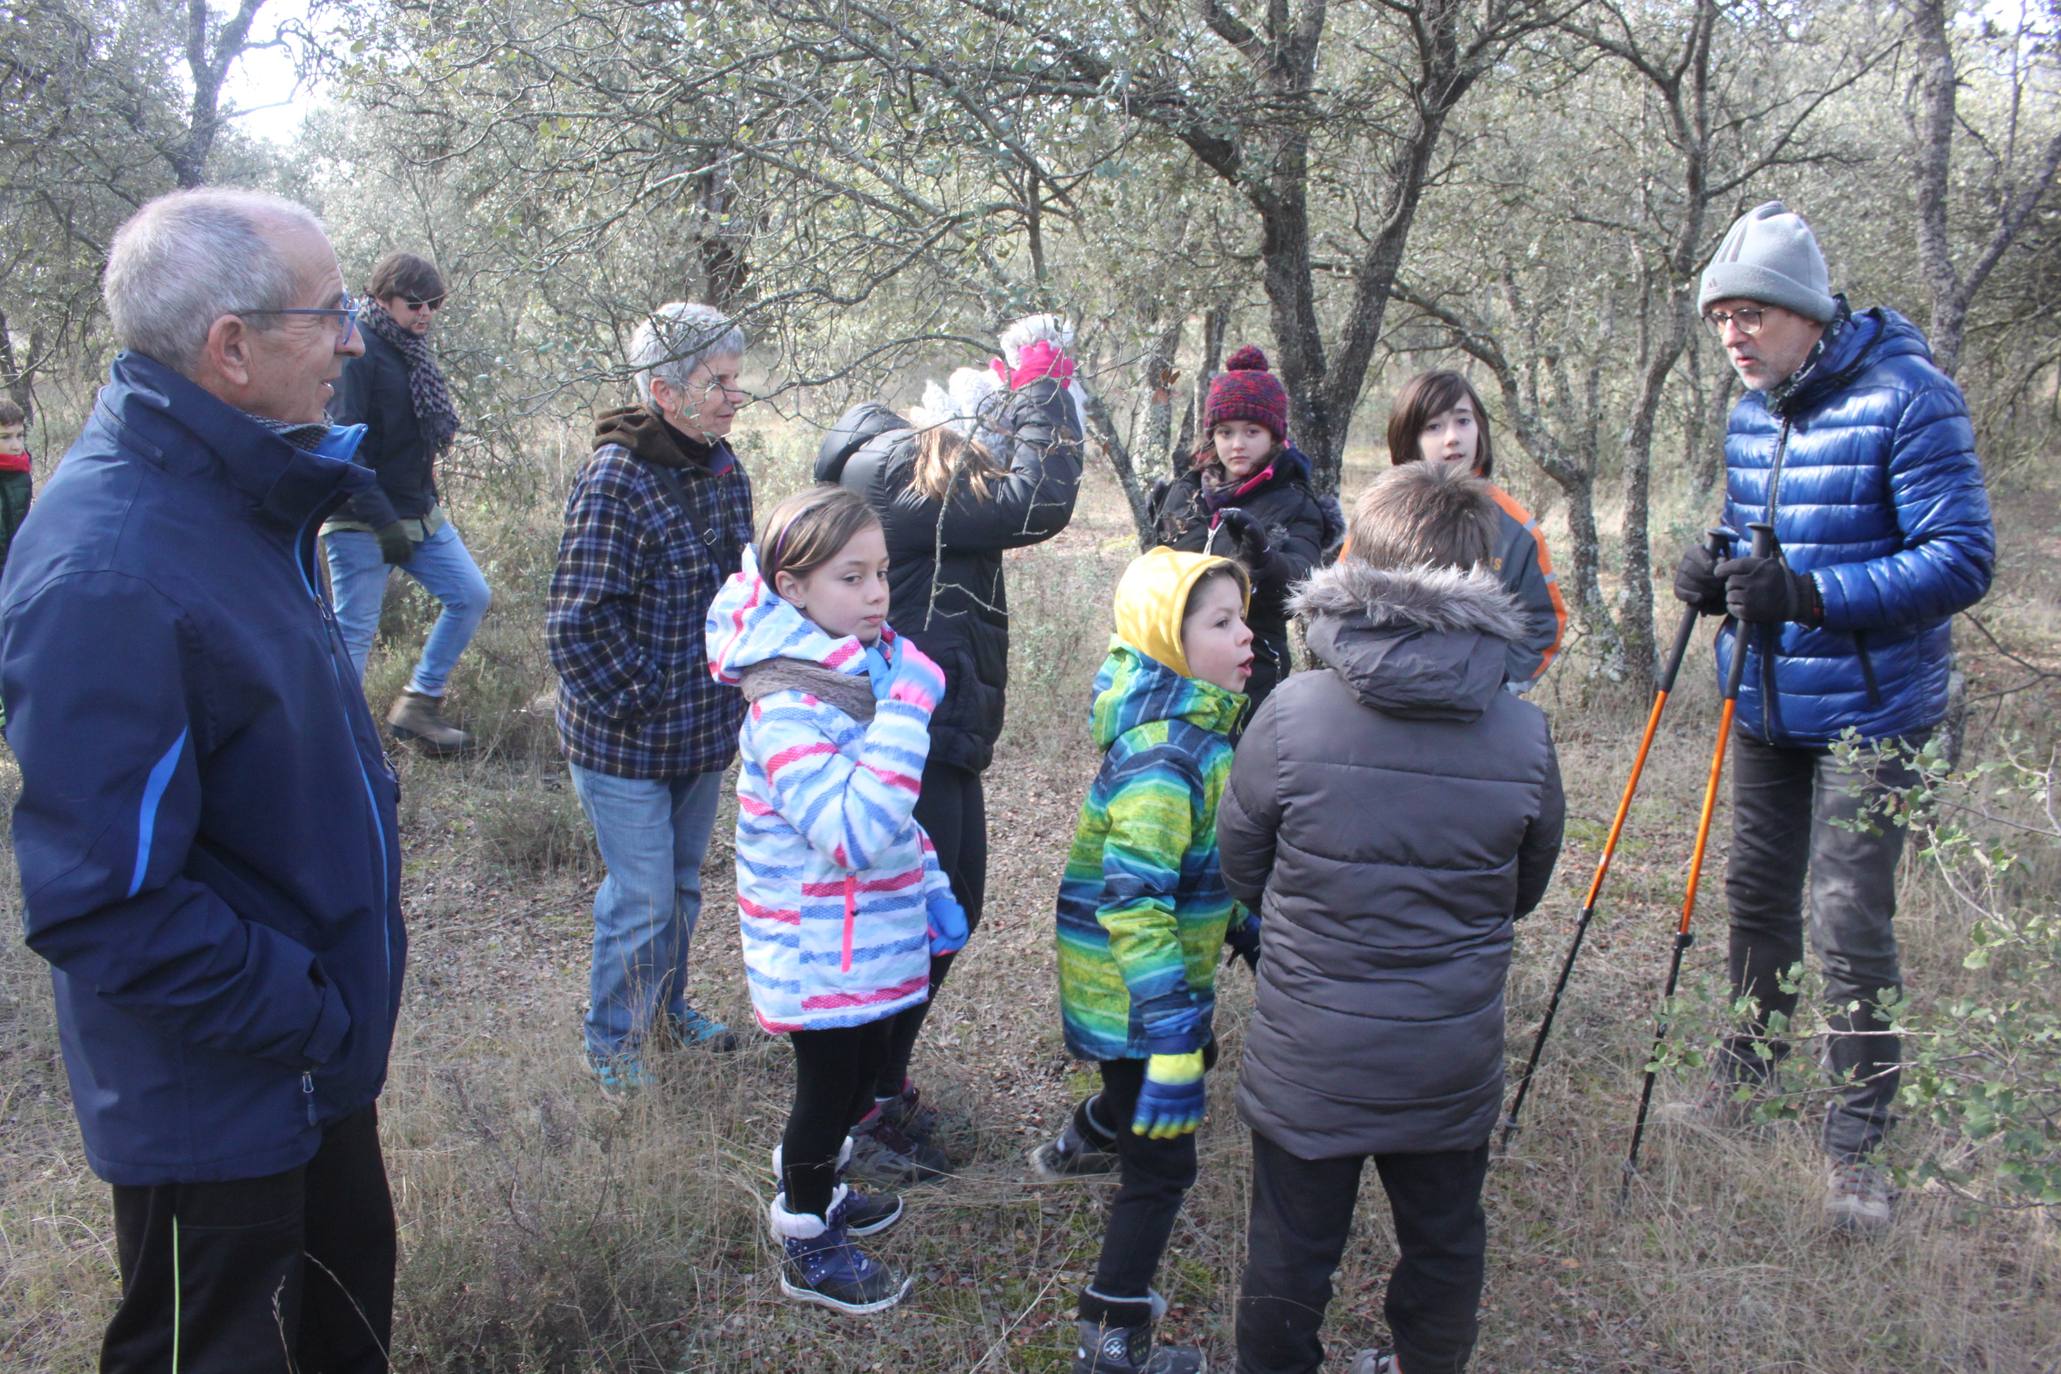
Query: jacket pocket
(1867, 662)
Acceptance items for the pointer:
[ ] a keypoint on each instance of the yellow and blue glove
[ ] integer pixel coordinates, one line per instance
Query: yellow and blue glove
(1170, 1104)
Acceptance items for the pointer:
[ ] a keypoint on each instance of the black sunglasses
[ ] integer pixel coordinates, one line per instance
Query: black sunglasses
(418, 302)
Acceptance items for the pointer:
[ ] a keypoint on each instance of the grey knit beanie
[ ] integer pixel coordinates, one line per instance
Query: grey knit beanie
(1770, 256)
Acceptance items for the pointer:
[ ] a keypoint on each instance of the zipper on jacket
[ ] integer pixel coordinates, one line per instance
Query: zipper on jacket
(1771, 635)
(851, 914)
(308, 1095)
(335, 634)
(1860, 648)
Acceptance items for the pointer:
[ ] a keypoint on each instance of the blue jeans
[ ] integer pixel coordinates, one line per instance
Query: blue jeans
(357, 582)
(653, 833)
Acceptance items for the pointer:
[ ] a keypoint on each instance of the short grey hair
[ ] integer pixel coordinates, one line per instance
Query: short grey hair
(676, 338)
(186, 259)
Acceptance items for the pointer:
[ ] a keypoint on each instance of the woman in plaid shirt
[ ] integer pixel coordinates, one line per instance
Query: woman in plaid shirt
(656, 521)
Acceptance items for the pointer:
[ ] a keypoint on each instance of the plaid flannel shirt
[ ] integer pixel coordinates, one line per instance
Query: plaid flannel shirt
(632, 587)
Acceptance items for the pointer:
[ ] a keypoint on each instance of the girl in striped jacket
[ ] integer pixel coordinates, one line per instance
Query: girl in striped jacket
(839, 893)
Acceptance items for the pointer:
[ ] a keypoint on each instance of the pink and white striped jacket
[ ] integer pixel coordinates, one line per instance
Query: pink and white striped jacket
(834, 876)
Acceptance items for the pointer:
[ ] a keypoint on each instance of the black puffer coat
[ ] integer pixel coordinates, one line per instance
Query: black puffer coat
(1302, 531)
(945, 568)
(1397, 810)
(373, 392)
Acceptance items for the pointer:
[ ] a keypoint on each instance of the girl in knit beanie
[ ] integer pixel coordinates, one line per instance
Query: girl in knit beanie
(1247, 495)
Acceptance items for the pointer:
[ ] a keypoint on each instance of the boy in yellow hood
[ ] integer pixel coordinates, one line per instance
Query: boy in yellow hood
(1143, 912)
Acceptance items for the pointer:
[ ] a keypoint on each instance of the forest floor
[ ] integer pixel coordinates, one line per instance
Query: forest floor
(545, 1227)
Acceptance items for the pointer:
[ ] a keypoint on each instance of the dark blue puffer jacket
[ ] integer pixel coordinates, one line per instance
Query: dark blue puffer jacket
(1867, 471)
(206, 826)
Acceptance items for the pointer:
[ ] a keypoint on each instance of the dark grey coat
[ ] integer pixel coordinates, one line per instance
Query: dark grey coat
(1390, 814)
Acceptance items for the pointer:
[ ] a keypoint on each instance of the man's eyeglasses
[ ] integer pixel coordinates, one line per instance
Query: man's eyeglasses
(432, 303)
(346, 315)
(1747, 317)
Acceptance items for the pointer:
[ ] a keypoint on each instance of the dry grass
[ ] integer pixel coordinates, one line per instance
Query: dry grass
(546, 1228)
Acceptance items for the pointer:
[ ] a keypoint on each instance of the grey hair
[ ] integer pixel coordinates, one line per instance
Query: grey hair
(188, 258)
(675, 339)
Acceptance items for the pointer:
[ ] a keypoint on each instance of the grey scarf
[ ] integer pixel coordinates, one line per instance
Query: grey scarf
(426, 391)
(851, 693)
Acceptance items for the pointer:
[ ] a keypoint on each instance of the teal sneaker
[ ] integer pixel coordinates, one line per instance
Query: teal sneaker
(692, 1030)
(621, 1076)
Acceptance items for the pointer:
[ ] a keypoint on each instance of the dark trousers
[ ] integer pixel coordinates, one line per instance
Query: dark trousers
(1302, 1212)
(292, 1271)
(1154, 1176)
(833, 1087)
(1795, 811)
(952, 808)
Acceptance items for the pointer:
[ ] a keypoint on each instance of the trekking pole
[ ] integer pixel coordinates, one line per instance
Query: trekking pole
(1763, 547)
(1719, 541)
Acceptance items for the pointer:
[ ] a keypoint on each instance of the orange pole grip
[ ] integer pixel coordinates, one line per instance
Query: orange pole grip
(1710, 792)
(1624, 803)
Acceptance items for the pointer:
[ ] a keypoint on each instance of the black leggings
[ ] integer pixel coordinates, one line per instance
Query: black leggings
(833, 1087)
(1154, 1176)
(953, 810)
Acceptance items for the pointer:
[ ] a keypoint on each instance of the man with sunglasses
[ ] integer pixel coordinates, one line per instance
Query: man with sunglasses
(1860, 454)
(205, 832)
(396, 390)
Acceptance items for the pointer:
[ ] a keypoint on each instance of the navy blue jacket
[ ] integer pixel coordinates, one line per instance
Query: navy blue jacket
(1867, 470)
(206, 826)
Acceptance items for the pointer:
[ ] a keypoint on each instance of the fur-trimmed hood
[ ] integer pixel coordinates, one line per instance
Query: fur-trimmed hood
(1411, 641)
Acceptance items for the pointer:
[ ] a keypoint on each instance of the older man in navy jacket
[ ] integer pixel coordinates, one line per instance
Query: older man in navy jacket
(1859, 452)
(206, 825)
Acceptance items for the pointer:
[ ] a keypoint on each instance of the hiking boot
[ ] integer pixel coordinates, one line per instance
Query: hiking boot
(819, 1263)
(418, 719)
(885, 1158)
(906, 1113)
(1114, 1336)
(1376, 1362)
(866, 1214)
(1071, 1155)
(1858, 1197)
(692, 1030)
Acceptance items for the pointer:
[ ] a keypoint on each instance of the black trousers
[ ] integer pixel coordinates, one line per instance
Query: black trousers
(952, 808)
(1302, 1212)
(292, 1271)
(1798, 812)
(1154, 1177)
(833, 1087)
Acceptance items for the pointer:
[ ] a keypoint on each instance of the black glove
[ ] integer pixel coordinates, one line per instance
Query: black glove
(1697, 583)
(1253, 548)
(1244, 941)
(394, 544)
(1768, 591)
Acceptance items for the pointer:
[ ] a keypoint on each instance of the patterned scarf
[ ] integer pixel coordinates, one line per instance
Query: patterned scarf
(433, 408)
(850, 693)
(305, 437)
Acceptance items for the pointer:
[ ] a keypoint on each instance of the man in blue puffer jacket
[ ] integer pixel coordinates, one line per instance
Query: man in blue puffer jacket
(1859, 452)
(206, 826)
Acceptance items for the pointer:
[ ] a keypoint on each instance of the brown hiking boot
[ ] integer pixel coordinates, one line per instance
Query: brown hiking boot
(1858, 1197)
(419, 720)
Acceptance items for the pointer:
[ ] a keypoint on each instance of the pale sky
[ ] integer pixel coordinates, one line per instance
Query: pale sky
(262, 82)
